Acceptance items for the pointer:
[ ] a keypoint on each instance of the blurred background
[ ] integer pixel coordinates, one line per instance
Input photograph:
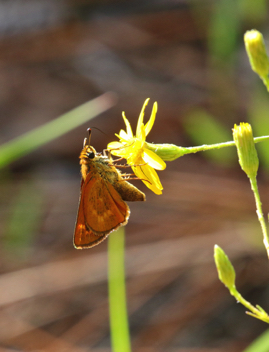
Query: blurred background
(188, 56)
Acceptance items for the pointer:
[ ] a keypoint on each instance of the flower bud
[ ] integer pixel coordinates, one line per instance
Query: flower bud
(247, 154)
(257, 52)
(224, 267)
(167, 152)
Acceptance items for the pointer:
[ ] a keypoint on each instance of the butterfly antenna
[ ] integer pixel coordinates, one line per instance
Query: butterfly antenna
(89, 130)
(98, 129)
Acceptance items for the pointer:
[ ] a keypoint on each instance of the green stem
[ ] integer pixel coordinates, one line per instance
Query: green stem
(119, 326)
(259, 314)
(266, 82)
(205, 147)
(170, 152)
(254, 187)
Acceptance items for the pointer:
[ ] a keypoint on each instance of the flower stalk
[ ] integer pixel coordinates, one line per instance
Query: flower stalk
(249, 162)
(227, 277)
(170, 152)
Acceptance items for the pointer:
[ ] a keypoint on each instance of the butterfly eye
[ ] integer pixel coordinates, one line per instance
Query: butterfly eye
(90, 155)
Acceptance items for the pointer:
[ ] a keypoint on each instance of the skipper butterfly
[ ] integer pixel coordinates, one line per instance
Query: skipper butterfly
(104, 190)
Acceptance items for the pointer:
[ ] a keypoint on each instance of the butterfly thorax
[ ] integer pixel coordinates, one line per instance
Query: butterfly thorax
(94, 162)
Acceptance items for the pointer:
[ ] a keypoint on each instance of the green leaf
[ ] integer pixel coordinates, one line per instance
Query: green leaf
(261, 344)
(33, 139)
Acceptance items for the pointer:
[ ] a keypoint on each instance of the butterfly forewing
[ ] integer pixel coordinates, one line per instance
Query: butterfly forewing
(101, 210)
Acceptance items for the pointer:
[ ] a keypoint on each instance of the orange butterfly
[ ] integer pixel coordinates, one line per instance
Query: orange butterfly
(102, 208)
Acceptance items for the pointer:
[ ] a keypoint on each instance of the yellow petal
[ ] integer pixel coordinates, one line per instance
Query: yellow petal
(123, 135)
(151, 120)
(141, 117)
(114, 145)
(153, 160)
(128, 126)
(116, 152)
(117, 149)
(141, 133)
(150, 178)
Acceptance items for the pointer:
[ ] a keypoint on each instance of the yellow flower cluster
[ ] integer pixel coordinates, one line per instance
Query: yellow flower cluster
(134, 149)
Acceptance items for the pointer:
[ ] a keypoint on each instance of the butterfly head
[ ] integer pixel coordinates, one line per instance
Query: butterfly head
(88, 152)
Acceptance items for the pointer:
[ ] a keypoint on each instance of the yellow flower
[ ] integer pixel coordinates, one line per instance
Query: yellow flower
(134, 149)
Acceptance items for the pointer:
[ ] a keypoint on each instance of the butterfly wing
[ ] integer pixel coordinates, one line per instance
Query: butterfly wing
(83, 236)
(101, 211)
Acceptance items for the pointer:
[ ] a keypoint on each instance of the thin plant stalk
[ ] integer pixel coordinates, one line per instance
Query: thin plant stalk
(266, 82)
(258, 312)
(254, 187)
(119, 327)
(170, 152)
